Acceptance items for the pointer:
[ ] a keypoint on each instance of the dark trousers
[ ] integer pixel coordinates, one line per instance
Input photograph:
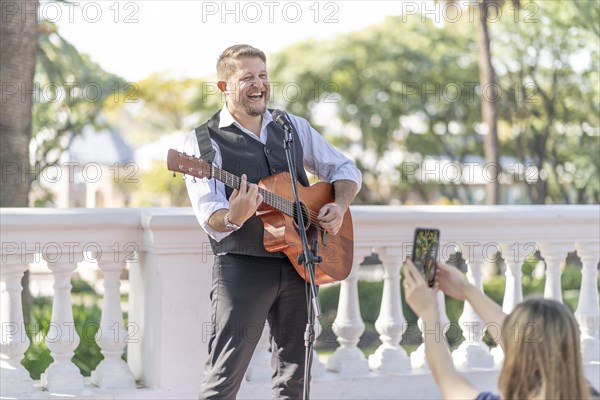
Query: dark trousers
(246, 291)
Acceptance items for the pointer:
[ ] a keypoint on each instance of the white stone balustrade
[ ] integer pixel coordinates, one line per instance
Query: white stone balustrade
(473, 352)
(169, 311)
(588, 308)
(14, 344)
(554, 255)
(113, 372)
(348, 325)
(62, 339)
(514, 255)
(390, 356)
(318, 367)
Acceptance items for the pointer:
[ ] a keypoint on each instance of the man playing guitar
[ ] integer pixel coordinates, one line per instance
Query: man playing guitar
(254, 279)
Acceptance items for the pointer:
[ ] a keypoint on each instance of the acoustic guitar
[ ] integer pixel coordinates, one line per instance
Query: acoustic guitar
(278, 213)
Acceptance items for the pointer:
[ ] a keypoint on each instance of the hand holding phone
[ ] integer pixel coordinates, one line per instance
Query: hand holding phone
(425, 252)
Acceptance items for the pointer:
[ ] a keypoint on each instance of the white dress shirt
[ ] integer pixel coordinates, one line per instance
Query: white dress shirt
(320, 159)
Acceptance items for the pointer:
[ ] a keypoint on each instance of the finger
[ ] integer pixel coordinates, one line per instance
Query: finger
(406, 284)
(259, 198)
(409, 268)
(252, 190)
(413, 272)
(244, 184)
(323, 212)
(442, 266)
(329, 218)
(330, 209)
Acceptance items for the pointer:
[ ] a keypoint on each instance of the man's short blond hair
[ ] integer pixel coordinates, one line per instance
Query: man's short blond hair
(226, 64)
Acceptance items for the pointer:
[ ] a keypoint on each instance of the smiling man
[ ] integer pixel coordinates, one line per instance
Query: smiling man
(251, 285)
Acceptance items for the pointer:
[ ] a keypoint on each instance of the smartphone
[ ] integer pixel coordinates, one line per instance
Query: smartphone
(425, 252)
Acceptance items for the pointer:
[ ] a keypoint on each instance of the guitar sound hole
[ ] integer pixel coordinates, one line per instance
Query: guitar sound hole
(305, 216)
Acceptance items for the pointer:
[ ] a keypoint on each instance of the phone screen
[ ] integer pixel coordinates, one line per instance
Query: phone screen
(425, 251)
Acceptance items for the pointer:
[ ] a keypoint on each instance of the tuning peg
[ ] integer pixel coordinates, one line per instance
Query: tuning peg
(184, 177)
(194, 180)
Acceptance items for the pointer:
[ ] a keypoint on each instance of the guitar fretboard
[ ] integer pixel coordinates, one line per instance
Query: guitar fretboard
(269, 198)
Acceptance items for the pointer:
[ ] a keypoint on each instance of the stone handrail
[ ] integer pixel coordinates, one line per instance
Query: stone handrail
(169, 262)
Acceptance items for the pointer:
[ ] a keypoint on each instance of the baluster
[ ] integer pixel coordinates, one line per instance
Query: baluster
(112, 372)
(473, 352)
(588, 309)
(417, 357)
(260, 368)
(554, 254)
(348, 325)
(513, 254)
(390, 324)
(318, 368)
(62, 338)
(14, 344)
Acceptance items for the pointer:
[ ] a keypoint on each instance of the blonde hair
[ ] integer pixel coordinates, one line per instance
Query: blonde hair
(542, 353)
(227, 61)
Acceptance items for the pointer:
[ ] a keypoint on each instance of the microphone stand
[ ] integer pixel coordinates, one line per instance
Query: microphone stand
(309, 257)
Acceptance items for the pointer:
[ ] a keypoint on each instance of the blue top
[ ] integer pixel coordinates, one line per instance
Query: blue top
(487, 396)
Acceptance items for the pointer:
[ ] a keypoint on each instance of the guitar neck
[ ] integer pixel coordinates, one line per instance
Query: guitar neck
(269, 198)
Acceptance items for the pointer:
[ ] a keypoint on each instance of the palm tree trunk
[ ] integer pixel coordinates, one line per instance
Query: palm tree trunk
(18, 46)
(489, 111)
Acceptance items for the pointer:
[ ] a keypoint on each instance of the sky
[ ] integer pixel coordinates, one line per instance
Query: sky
(184, 38)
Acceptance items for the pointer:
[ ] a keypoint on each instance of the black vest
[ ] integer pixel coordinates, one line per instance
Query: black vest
(242, 154)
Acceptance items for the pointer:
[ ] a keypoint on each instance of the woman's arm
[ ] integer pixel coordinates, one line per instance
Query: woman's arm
(423, 301)
(453, 283)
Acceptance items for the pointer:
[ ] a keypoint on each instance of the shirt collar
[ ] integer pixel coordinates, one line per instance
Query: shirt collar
(226, 119)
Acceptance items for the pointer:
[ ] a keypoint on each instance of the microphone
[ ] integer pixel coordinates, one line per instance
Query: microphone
(282, 120)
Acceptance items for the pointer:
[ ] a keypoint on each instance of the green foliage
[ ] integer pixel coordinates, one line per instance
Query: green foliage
(37, 357)
(81, 286)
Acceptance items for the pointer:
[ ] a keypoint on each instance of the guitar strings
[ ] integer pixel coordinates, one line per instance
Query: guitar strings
(280, 203)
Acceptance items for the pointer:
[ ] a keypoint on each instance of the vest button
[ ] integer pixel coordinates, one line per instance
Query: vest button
(273, 169)
(268, 151)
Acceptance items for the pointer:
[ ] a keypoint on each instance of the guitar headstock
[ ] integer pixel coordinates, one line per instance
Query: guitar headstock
(189, 165)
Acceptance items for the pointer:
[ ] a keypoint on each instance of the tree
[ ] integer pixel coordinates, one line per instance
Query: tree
(72, 91)
(489, 111)
(489, 98)
(391, 84)
(393, 91)
(550, 61)
(18, 46)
